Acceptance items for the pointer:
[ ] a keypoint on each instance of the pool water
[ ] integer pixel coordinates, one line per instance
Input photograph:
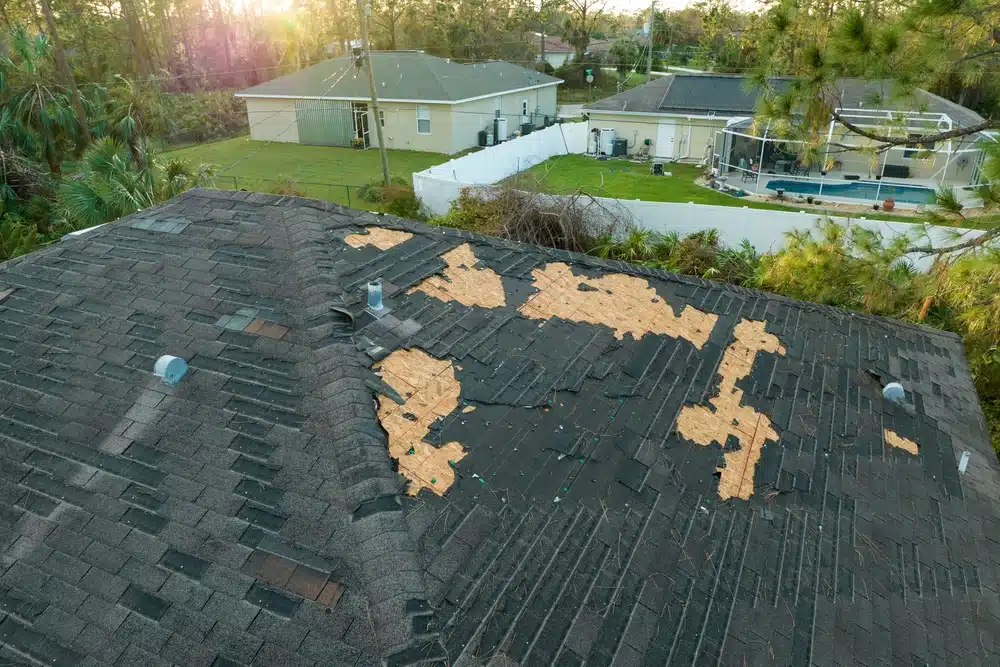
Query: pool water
(913, 194)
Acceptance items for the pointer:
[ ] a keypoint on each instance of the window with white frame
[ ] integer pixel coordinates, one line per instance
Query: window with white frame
(423, 120)
(381, 117)
(524, 107)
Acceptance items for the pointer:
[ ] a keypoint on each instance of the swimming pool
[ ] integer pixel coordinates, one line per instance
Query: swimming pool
(913, 194)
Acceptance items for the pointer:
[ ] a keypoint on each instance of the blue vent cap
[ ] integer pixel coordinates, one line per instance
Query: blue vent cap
(894, 392)
(171, 369)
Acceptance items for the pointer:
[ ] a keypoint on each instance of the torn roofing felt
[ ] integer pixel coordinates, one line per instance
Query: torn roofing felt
(611, 465)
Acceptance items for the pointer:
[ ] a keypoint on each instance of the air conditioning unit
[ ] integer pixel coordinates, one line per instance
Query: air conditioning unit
(500, 129)
(606, 145)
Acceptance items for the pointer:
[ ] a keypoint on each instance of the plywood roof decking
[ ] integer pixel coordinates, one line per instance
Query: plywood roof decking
(893, 439)
(626, 304)
(380, 237)
(706, 426)
(464, 281)
(430, 390)
(578, 534)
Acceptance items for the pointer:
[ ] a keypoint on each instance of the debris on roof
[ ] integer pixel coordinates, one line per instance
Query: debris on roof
(430, 392)
(570, 505)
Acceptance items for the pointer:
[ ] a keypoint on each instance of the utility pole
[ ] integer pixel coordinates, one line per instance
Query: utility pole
(366, 55)
(649, 42)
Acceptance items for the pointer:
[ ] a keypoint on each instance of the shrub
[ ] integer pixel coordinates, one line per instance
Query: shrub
(372, 191)
(287, 187)
(401, 200)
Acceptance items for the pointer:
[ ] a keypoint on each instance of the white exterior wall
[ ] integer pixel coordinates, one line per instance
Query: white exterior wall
(692, 136)
(470, 117)
(557, 59)
(272, 120)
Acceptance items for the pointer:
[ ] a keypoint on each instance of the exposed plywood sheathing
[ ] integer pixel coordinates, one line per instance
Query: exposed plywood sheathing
(380, 237)
(893, 439)
(705, 426)
(430, 390)
(626, 304)
(464, 282)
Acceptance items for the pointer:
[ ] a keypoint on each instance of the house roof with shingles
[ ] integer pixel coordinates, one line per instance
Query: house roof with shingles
(728, 95)
(403, 76)
(528, 457)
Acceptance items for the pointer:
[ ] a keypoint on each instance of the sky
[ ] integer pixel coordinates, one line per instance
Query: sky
(634, 5)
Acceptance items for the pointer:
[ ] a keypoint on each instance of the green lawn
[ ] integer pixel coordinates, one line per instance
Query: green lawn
(608, 87)
(624, 180)
(323, 172)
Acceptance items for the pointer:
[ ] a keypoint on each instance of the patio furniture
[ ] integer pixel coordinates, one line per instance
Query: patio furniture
(896, 171)
(750, 175)
(783, 166)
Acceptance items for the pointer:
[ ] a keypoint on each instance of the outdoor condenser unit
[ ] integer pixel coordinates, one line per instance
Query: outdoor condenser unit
(500, 129)
(606, 146)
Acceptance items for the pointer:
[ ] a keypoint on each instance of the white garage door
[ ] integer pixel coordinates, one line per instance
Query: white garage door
(664, 147)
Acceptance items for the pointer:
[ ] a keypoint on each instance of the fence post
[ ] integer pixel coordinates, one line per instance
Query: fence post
(236, 186)
(348, 188)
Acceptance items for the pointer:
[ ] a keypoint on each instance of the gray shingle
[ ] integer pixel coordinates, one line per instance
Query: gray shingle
(414, 76)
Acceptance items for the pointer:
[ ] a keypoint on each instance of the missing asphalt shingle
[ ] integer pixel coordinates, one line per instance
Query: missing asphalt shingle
(168, 226)
(238, 321)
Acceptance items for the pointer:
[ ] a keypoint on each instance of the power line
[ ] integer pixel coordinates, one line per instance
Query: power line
(296, 120)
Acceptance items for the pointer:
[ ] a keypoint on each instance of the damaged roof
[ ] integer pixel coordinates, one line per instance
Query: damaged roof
(528, 457)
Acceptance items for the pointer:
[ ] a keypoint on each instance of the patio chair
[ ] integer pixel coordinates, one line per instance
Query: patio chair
(752, 174)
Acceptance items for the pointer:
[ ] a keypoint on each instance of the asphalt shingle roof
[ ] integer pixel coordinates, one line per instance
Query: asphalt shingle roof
(403, 76)
(728, 95)
(250, 515)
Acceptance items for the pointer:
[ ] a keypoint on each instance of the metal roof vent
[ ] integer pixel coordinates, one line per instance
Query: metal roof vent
(964, 462)
(171, 369)
(375, 295)
(894, 392)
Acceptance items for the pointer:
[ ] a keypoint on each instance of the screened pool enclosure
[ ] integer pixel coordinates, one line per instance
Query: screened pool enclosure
(750, 157)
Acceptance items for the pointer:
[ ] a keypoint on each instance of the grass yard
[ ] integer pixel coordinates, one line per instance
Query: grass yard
(624, 180)
(609, 86)
(323, 172)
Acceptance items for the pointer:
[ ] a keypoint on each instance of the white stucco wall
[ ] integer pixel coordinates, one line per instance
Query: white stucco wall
(691, 135)
(272, 120)
(557, 59)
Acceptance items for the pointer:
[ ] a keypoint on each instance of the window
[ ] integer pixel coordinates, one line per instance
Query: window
(381, 117)
(914, 150)
(423, 120)
(524, 107)
(497, 107)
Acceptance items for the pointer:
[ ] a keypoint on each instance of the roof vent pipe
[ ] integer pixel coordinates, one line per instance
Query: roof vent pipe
(964, 462)
(375, 295)
(894, 392)
(171, 369)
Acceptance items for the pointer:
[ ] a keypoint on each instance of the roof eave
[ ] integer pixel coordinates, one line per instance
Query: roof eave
(274, 96)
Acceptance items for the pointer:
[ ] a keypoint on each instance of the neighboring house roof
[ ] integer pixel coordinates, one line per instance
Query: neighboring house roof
(403, 76)
(556, 45)
(729, 95)
(637, 467)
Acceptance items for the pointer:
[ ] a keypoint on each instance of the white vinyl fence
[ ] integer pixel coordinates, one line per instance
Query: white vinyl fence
(440, 185)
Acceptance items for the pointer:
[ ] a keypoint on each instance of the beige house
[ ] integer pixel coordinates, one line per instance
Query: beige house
(709, 119)
(426, 103)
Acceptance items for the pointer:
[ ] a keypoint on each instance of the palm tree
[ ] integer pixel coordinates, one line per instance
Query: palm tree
(41, 106)
(114, 186)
